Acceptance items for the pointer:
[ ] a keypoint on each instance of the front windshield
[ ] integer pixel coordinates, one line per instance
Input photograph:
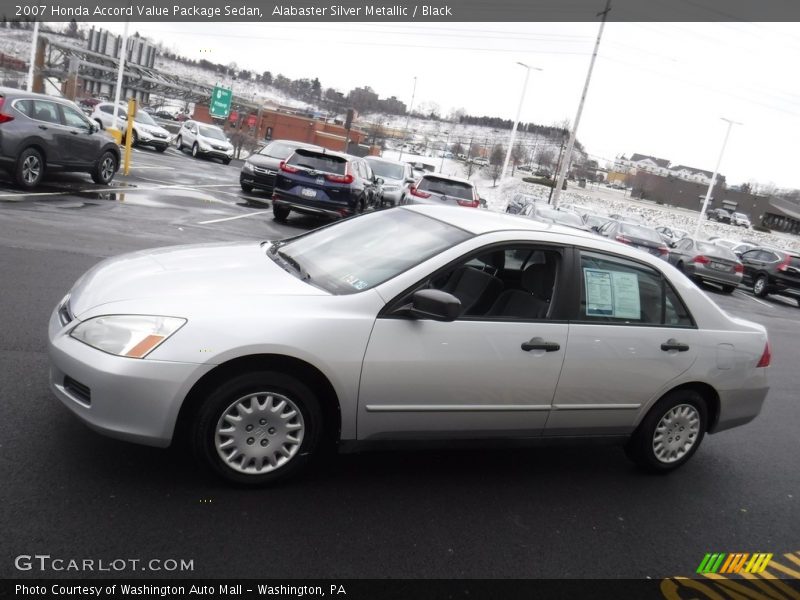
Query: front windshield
(143, 117)
(388, 242)
(213, 133)
(386, 170)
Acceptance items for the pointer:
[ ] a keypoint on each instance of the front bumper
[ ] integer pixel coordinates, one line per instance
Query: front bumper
(213, 153)
(137, 400)
(261, 179)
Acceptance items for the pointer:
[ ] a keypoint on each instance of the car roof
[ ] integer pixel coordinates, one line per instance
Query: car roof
(479, 221)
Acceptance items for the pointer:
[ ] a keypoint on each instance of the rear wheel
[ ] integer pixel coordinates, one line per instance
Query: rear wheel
(760, 286)
(670, 433)
(105, 169)
(257, 428)
(195, 150)
(179, 143)
(728, 289)
(280, 213)
(30, 168)
(134, 138)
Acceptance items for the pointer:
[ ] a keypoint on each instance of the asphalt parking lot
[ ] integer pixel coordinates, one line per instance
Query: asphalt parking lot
(553, 511)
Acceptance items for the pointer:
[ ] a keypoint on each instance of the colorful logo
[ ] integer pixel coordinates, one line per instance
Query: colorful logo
(741, 562)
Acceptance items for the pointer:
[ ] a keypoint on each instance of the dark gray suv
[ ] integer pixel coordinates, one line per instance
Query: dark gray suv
(40, 133)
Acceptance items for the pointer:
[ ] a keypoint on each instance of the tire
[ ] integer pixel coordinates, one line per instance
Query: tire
(30, 168)
(676, 424)
(105, 169)
(195, 150)
(100, 124)
(360, 206)
(246, 188)
(280, 213)
(160, 148)
(134, 138)
(179, 143)
(275, 430)
(680, 267)
(760, 286)
(728, 289)
(226, 161)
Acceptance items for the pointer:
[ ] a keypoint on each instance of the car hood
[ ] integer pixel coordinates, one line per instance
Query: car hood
(151, 128)
(214, 141)
(265, 162)
(186, 273)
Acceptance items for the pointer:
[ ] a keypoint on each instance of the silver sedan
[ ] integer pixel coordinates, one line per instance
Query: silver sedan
(707, 262)
(445, 324)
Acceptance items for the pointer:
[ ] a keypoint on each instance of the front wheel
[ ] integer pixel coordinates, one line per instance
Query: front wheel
(670, 433)
(105, 169)
(160, 148)
(226, 161)
(760, 286)
(257, 428)
(179, 143)
(246, 188)
(195, 150)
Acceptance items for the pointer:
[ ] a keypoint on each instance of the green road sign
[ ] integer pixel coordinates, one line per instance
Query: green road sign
(220, 102)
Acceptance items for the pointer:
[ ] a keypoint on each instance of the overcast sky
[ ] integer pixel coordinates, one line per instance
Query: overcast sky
(657, 88)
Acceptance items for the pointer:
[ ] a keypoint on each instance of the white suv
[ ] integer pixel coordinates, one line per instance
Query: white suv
(146, 132)
(206, 140)
(740, 219)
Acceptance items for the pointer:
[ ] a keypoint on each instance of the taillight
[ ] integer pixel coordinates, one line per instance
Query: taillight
(469, 203)
(663, 250)
(4, 118)
(766, 357)
(785, 264)
(703, 260)
(623, 239)
(415, 192)
(288, 168)
(346, 178)
(739, 268)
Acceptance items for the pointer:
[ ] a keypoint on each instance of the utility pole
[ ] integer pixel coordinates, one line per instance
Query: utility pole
(565, 166)
(408, 118)
(714, 176)
(123, 48)
(558, 168)
(34, 46)
(516, 121)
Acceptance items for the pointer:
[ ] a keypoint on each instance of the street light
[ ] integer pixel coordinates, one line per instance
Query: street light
(408, 118)
(516, 122)
(714, 176)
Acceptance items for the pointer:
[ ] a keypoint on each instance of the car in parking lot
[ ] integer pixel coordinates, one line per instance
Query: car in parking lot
(260, 168)
(414, 322)
(442, 189)
(671, 234)
(740, 220)
(519, 201)
(146, 132)
(324, 183)
(718, 214)
(547, 214)
(203, 139)
(397, 177)
(40, 133)
(637, 236)
(772, 271)
(707, 262)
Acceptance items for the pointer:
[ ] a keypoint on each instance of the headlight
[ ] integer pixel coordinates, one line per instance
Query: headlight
(248, 167)
(134, 336)
(145, 135)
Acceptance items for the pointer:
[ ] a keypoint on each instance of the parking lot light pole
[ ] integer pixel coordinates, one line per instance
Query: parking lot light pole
(122, 51)
(34, 45)
(714, 176)
(408, 118)
(516, 121)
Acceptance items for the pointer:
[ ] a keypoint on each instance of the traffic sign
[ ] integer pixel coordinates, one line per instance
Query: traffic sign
(220, 106)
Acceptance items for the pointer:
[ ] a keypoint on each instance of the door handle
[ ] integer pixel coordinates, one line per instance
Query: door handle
(538, 343)
(673, 344)
(73, 132)
(43, 127)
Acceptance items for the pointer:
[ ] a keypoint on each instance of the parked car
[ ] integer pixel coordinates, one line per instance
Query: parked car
(146, 132)
(718, 214)
(637, 236)
(725, 243)
(204, 140)
(628, 218)
(416, 322)
(519, 201)
(442, 189)
(165, 115)
(324, 183)
(743, 247)
(481, 161)
(397, 177)
(740, 220)
(40, 133)
(671, 234)
(261, 168)
(594, 221)
(772, 271)
(547, 214)
(707, 262)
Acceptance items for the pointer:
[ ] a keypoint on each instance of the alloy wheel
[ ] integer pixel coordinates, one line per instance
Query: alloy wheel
(107, 168)
(31, 169)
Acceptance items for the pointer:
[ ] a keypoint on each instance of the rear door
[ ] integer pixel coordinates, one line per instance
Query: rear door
(48, 122)
(630, 337)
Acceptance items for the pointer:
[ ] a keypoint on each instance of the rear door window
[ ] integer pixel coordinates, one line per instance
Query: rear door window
(46, 111)
(25, 107)
(316, 161)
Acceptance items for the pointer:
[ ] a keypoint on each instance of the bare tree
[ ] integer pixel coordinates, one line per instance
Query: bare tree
(496, 160)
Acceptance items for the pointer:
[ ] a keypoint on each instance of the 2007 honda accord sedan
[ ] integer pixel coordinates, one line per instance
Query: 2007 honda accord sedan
(405, 324)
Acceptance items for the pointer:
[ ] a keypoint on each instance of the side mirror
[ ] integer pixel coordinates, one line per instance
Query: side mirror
(433, 304)
(672, 244)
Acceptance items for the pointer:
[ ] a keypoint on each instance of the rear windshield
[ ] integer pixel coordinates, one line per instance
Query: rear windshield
(568, 218)
(643, 233)
(316, 161)
(794, 261)
(278, 150)
(446, 187)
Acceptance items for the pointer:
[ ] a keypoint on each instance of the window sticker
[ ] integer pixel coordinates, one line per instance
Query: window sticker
(612, 294)
(357, 283)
